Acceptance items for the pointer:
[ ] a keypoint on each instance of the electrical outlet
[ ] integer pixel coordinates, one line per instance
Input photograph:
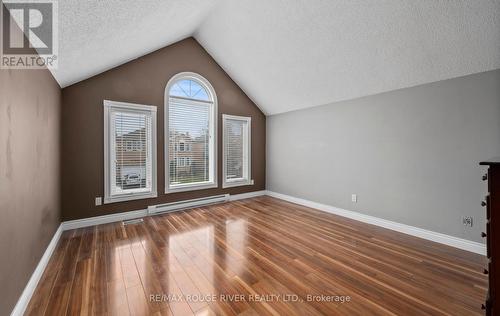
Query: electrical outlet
(98, 201)
(354, 198)
(467, 221)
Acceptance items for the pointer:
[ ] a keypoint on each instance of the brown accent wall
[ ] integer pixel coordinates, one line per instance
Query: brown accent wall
(30, 105)
(143, 81)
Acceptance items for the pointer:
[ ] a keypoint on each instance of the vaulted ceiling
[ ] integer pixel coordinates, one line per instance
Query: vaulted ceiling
(291, 54)
(97, 35)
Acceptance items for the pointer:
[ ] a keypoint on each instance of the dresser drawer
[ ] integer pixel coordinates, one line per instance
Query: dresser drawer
(488, 207)
(488, 237)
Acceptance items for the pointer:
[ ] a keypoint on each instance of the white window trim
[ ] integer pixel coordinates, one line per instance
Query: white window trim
(108, 197)
(236, 182)
(213, 134)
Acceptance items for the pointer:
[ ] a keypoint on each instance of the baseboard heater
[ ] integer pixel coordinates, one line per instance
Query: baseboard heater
(181, 205)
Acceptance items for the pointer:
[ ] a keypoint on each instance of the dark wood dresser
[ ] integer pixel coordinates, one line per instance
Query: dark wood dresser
(492, 235)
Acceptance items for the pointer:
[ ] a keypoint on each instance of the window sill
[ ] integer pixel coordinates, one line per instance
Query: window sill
(129, 197)
(194, 187)
(237, 183)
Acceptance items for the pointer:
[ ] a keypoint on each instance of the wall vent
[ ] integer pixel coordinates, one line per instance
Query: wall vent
(181, 205)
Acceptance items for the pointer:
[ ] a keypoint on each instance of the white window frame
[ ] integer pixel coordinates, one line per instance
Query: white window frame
(212, 134)
(109, 196)
(228, 183)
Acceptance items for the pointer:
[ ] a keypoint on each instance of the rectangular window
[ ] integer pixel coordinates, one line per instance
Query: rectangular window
(191, 145)
(130, 151)
(236, 151)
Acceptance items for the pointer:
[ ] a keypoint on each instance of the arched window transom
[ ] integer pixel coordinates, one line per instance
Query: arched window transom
(189, 88)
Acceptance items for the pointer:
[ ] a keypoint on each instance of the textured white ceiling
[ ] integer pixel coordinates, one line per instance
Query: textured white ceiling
(295, 54)
(96, 35)
(291, 54)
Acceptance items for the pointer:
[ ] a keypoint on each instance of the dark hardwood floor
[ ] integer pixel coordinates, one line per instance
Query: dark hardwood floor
(235, 258)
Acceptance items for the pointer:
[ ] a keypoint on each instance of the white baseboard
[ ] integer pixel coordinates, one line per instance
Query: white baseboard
(456, 242)
(111, 218)
(403, 228)
(104, 219)
(28, 291)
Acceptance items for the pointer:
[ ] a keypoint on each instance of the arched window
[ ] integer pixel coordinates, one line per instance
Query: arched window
(190, 133)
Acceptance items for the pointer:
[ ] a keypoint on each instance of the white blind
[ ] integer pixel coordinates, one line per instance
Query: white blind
(189, 142)
(236, 134)
(131, 152)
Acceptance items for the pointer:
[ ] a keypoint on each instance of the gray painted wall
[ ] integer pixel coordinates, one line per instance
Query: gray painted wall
(411, 155)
